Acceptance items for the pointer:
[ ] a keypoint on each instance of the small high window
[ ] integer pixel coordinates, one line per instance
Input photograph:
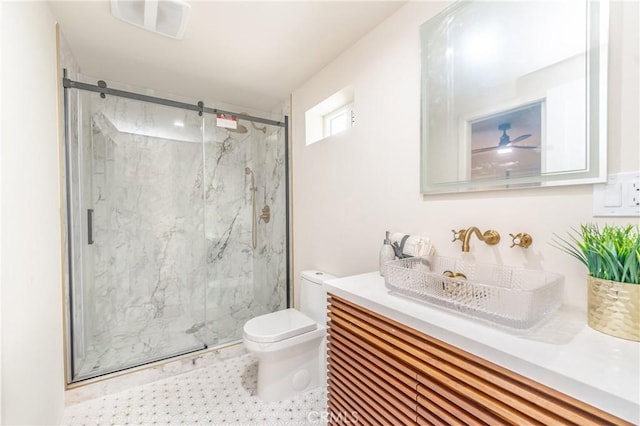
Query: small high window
(331, 116)
(338, 121)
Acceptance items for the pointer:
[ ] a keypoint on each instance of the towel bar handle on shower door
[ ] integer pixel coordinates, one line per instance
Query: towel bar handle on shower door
(89, 226)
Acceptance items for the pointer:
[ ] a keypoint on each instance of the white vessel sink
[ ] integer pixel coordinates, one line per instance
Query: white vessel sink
(512, 297)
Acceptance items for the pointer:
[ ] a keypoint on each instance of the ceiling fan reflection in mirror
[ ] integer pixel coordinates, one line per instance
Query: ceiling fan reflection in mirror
(506, 141)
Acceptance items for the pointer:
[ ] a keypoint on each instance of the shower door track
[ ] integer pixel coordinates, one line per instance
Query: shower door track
(199, 107)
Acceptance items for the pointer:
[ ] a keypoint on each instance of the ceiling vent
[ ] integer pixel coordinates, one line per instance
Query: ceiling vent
(166, 17)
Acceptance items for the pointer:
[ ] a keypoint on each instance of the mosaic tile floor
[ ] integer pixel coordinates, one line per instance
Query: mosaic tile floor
(223, 393)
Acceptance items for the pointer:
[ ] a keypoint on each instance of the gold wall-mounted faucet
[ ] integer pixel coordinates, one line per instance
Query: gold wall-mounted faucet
(490, 237)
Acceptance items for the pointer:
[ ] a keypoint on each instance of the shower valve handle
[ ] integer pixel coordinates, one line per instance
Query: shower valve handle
(266, 214)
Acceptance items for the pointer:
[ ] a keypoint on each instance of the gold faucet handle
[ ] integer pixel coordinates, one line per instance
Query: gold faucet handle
(266, 214)
(458, 235)
(521, 239)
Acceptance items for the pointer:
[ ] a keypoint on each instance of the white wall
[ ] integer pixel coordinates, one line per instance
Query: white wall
(1, 116)
(31, 320)
(349, 189)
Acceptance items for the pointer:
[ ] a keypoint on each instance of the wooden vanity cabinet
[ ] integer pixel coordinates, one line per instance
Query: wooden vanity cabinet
(381, 372)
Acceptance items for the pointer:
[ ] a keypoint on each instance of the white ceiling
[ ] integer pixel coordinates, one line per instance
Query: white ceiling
(247, 54)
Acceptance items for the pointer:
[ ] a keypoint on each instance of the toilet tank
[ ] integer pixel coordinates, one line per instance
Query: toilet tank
(313, 297)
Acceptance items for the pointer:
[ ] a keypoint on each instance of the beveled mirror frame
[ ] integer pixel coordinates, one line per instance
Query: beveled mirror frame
(596, 41)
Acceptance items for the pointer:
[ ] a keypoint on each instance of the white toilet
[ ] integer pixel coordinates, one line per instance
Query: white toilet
(290, 344)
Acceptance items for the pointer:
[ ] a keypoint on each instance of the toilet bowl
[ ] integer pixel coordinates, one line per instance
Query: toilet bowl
(290, 344)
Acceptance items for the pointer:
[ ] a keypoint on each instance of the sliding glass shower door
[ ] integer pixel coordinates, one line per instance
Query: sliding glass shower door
(177, 228)
(139, 290)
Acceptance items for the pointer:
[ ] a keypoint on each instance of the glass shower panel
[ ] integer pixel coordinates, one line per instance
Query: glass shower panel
(139, 207)
(270, 259)
(244, 173)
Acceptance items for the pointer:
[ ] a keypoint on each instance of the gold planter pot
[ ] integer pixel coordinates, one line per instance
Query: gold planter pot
(614, 308)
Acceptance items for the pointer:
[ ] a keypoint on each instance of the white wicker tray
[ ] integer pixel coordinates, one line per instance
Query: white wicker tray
(512, 297)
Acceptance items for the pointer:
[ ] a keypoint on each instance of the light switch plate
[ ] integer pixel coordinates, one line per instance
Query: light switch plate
(619, 196)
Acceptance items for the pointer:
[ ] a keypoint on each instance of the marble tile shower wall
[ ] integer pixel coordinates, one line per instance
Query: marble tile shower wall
(229, 259)
(270, 261)
(243, 282)
(172, 267)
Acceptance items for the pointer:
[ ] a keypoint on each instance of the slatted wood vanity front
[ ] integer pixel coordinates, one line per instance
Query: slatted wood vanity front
(381, 372)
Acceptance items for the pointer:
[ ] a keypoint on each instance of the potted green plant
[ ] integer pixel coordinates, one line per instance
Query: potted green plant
(612, 257)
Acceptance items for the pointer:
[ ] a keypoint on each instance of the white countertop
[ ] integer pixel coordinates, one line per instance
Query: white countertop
(563, 353)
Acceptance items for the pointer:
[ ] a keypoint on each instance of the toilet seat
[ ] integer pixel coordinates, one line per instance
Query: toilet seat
(278, 326)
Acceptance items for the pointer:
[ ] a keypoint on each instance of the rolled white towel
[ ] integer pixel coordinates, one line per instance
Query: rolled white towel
(414, 245)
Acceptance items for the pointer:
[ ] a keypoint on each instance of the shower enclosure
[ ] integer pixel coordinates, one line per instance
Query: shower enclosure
(166, 251)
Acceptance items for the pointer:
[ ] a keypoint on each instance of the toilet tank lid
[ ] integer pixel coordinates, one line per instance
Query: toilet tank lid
(317, 277)
(278, 326)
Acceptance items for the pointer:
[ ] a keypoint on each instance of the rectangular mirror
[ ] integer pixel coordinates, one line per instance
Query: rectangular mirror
(514, 95)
